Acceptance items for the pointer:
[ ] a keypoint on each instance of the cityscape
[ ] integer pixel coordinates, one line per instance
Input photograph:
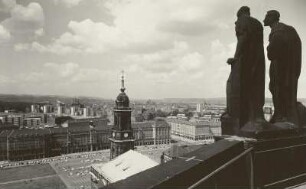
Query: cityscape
(152, 94)
(76, 135)
(74, 138)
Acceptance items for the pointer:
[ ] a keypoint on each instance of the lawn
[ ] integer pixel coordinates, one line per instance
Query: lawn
(25, 172)
(45, 183)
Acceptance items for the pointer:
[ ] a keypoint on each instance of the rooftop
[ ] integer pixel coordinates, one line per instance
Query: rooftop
(124, 166)
(142, 124)
(29, 132)
(181, 150)
(206, 123)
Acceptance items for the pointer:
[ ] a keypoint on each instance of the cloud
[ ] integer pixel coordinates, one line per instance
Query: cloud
(39, 32)
(138, 26)
(172, 68)
(4, 34)
(196, 19)
(21, 46)
(73, 73)
(163, 61)
(167, 48)
(68, 77)
(4, 80)
(84, 36)
(25, 22)
(63, 70)
(7, 5)
(67, 3)
(220, 52)
(31, 13)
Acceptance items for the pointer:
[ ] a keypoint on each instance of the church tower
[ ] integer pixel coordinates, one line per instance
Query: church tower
(122, 139)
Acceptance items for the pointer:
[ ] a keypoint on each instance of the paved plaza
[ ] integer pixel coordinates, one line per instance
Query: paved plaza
(74, 169)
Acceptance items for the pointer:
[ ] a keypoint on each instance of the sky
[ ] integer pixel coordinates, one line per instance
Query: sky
(167, 48)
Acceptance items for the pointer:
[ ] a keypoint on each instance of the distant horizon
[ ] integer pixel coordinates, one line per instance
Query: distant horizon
(112, 98)
(75, 96)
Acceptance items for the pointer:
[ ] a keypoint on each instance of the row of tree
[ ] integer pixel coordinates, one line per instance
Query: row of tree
(150, 114)
(16, 106)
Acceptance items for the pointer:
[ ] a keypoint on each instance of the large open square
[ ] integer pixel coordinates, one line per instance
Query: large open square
(73, 169)
(30, 177)
(67, 171)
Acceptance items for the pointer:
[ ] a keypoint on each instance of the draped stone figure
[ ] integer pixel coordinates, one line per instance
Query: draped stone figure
(245, 87)
(284, 52)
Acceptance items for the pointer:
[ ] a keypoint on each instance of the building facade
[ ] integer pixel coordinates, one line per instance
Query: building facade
(16, 120)
(22, 144)
(151, 132)
(32, 122)
(80, 121)
(194, 131)
(161, 132)
(200, 107)
(56, 141)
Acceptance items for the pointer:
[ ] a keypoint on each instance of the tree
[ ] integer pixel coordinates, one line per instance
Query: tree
(62, 119)
(188, 113)
(160, 113)
(139, 118)
(174, 112)
(149, 115)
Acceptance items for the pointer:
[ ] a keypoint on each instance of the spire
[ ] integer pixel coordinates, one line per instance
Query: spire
(122, 100)
(122, 81)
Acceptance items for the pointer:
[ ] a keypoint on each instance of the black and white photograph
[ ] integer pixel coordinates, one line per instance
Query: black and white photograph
(141, 94)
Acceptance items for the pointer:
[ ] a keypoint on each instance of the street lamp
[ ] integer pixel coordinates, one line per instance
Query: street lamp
(68, 140)
(91, 128)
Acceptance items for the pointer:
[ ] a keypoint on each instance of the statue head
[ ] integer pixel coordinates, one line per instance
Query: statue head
(244, 10)
(272, 17)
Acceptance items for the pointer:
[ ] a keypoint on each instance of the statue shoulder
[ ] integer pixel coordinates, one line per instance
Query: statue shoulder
(242, 23)
(280, 27)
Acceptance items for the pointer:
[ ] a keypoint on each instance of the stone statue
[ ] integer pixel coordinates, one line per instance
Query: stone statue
(245, 87)
(284, 51)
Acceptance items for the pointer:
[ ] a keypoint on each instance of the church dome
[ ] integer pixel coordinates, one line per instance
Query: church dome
(122, 100)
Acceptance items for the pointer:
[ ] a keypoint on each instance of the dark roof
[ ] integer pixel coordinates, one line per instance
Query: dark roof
(58, 130)
(174, 120)
(159, 122)
(122, 100)
(79, 128)
(144, 124)
(183, 172)
(181, 150)
(86, 119)
(83, 128)
(104, 128)
(5, 133)
(7, 126)
(32, 132)
(29, 132)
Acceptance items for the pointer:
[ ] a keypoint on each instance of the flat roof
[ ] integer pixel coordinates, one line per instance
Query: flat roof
(124, 166)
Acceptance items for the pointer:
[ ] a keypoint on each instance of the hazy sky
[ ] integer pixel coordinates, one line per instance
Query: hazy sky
(168, 48)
